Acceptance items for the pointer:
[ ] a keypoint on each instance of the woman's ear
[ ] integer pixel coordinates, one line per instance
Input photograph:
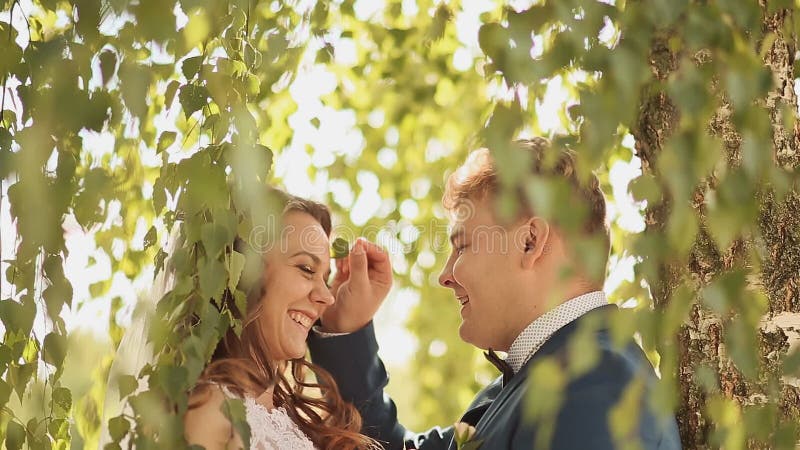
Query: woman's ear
(536, 241)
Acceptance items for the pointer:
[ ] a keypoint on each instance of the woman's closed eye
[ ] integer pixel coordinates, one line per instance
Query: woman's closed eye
(310, 272)
(305, 268)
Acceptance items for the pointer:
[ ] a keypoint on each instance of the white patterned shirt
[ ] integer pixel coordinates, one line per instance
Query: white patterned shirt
(540, 330)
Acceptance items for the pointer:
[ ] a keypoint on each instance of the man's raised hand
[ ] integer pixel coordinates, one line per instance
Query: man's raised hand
(363, 280)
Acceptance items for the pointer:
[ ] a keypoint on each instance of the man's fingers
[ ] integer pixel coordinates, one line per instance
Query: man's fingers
(358, 262)
(342, 268)
(379, 263)
(342, 274)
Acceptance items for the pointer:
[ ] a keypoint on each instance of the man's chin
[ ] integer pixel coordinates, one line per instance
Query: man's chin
(472, 337)
(468, 335)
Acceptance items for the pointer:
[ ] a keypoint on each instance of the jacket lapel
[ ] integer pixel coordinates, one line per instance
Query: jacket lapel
(512, 389)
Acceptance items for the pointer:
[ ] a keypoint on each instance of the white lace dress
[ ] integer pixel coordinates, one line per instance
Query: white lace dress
(272, 429)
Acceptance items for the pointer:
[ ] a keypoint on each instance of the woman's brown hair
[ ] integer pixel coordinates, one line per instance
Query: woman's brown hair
(240, 364)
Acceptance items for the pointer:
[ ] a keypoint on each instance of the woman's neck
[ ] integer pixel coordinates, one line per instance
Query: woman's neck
(266, 399)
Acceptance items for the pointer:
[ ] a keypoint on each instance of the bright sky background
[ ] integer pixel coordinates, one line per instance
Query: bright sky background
(339, 128)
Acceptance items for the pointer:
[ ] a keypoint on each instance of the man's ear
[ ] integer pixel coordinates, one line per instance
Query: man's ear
(536, 241)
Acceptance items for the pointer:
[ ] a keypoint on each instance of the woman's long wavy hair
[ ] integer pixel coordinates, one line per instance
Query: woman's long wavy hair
(240, 363)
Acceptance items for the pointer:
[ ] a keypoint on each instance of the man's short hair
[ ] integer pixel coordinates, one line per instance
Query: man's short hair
(478, 177)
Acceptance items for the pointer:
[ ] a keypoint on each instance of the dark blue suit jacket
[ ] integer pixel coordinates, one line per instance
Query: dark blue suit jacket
(581, 420)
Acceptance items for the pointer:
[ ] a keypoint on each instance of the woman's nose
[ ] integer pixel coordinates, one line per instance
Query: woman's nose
(322, 294)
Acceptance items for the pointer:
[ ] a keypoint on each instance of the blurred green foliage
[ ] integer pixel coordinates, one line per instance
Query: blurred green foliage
(196, 97)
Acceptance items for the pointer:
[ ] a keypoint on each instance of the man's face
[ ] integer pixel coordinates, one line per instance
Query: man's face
(485, 272)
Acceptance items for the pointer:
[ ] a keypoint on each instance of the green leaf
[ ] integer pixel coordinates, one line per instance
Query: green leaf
(118, 427)
(108, 64)
(493, 40)
(215, 237)
(742, 343)
(777, 5)
(584, 353)
(59, 430)
(134, 84)
(5, 357)
(235, 267)
(150, 238)
(235, 411)
(198, 27)
(645, 187)
(240, 300)
(438, 27)
(166, 139)
(791, 364)
(340, 248)
(169, 94)
(31, 352)
(173, 379)
(252, 57)
(100, 288)
(17, 317)
(88, 22)
(623, 416)
(155, 19)
(15, 436)
(62, 398)
(190, 66)
(8, 117)
(5, 393)
(127, 384)
(18, 377)
(324, 54)
(54, 349)
(210, 121)
(522, 24)
(253, 85)
(212, 279)
(193, 98)
(548, 375)
(5, 140)
(722, 294)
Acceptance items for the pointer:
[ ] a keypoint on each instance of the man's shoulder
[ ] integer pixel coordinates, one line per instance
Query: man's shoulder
(585, 353)
(488, 393)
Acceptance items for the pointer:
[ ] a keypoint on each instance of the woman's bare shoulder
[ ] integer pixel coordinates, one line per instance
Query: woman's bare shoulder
(205, 424)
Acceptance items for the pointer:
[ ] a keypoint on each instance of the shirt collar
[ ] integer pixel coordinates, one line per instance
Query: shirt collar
(540, 330)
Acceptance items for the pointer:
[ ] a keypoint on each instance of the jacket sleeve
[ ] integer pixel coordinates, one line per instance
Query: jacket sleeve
(352, 359)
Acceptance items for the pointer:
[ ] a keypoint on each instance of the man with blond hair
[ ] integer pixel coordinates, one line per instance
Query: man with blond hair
(528, 282)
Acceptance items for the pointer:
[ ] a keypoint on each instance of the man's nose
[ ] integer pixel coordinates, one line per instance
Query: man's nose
(446, 277)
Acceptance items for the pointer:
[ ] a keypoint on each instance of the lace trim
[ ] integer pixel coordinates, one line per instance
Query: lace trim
(272, 429)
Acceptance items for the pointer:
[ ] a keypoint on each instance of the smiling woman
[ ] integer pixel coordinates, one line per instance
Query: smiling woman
(264, 364)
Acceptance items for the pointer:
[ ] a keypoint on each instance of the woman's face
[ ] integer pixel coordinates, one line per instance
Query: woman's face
(295, 282)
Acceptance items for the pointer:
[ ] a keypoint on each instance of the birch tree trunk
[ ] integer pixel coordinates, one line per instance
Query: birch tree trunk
(770, 254)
